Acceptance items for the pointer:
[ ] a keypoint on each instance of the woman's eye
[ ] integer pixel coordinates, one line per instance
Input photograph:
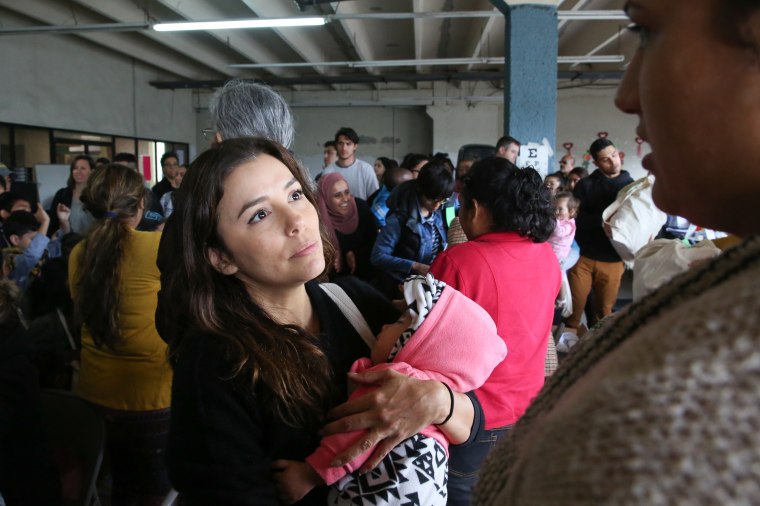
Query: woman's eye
(296, 195)
(258, 216)
(643, 33)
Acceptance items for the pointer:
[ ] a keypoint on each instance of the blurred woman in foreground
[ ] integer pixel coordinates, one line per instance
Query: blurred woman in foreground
(660, 405)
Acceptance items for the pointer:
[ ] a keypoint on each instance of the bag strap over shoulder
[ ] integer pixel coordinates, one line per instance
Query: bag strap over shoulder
(350, 311)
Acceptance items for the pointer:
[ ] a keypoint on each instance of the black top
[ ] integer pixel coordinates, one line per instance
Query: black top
(596, 193)
(360, 242)
(163, 186)
(221, 443)
(27, 472)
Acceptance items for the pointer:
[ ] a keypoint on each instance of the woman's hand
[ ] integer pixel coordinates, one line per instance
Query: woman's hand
(399, 408)
(294, 480)
(421, 269)
(64, 214)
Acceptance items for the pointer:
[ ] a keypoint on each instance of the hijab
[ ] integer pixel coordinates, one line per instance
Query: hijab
(328, 211)
(343, 223)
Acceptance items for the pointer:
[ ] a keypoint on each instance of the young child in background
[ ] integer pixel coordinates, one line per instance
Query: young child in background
(27, 233)
(442, 336)
(564, 233)
(553, 183)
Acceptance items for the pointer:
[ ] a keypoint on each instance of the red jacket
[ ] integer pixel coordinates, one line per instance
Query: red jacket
(516, 281)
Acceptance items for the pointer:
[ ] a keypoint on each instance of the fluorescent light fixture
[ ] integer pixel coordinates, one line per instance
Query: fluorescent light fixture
(421, 62)
(239, 23)
(613, 58)
(581, 15)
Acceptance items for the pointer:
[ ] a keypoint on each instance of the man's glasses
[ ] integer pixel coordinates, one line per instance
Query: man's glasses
(208, 133)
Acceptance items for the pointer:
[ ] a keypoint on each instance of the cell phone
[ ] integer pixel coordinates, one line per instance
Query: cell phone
(29, 191)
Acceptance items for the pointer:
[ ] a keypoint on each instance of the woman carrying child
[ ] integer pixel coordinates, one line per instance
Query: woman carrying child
(442, 336)
(261, 351)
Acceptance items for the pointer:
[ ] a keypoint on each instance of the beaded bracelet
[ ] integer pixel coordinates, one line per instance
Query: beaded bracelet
(451, 410)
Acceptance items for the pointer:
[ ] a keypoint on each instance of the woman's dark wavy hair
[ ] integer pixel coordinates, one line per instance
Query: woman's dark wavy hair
(283, 365)
(112, 196)
(388, 163)
(70, 181)
(516, 198)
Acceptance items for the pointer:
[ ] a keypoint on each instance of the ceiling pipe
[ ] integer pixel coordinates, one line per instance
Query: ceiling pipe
(377, 78)
(99, 27)
(569, 15)
(588, 59)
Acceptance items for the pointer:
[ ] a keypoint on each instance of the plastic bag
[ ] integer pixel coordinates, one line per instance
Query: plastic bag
(657, 262)
(633, 220)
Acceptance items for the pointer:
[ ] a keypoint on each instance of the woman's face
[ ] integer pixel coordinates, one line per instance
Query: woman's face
(432, 205)
(698, 101)
(379, 168)
(572, 180)
(270, 230)
(81, 171)
(341, 196)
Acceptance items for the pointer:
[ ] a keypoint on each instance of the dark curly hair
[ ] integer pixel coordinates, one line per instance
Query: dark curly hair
(516, 199)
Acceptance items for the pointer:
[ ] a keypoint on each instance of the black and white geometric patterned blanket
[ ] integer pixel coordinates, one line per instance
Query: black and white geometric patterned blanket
(414, 473)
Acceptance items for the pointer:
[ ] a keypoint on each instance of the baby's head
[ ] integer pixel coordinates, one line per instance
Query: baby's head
(566, 204)
(420, 294)
(437, 334)
(426, 300)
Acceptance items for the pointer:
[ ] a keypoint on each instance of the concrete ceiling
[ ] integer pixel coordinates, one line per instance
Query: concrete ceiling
(203, 59)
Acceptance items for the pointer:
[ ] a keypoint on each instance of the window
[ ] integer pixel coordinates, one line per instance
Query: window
(31, 146)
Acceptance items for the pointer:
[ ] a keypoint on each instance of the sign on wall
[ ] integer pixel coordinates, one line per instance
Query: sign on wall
(534, 155)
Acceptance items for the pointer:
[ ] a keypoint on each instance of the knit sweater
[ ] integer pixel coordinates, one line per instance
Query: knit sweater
(660, 406)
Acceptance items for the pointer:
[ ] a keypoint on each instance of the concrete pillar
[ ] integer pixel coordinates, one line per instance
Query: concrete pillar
(530, 70)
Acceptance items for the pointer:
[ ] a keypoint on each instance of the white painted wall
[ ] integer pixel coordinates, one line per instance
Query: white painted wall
(457, 124)
(584, 112)
(451, 119)
(62, 81)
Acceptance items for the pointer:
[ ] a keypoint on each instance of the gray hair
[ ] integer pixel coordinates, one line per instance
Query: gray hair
(246, 109)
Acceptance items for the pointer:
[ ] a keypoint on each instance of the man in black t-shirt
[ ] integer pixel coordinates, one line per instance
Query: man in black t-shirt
(599, 267)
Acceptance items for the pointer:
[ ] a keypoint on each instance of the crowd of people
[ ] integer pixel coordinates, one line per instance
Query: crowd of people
(382, 335)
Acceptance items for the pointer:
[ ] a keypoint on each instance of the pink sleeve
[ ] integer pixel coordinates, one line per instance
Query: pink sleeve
(333, 445)
(564, 228)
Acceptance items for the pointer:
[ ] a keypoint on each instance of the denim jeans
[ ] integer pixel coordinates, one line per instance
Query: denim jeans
(465, 459)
